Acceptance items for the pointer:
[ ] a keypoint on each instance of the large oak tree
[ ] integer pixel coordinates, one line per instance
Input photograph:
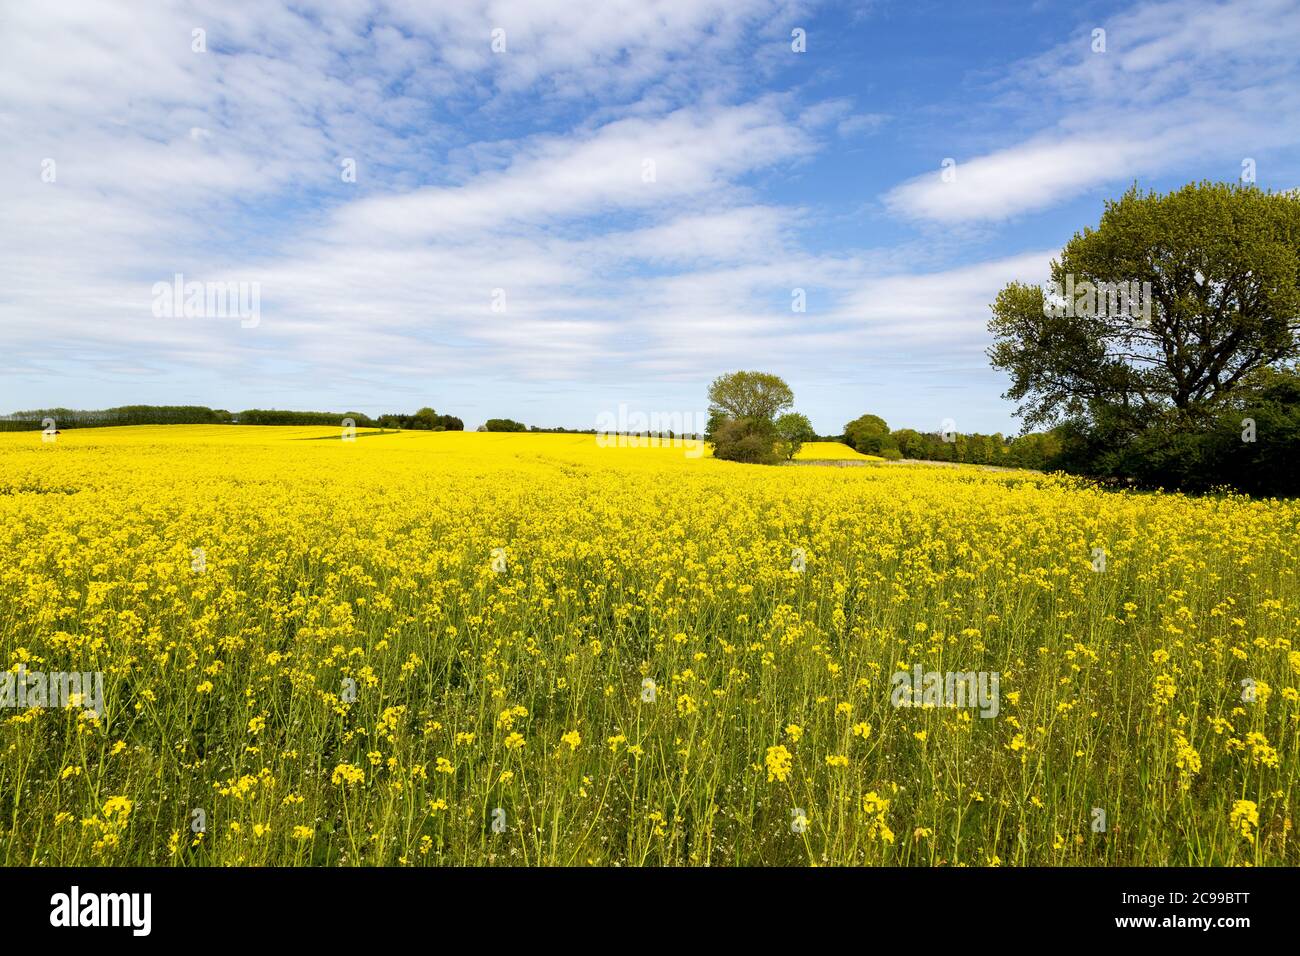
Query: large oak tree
(1223, 267)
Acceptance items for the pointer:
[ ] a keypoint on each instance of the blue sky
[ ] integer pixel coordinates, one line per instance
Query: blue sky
(613, 209)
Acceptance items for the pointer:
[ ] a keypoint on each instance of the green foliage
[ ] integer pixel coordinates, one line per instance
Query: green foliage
(275, 416)
(868, 434)
(717, 418)
(504, 425)
(742, 422)
(1223, 265)
(792, 430)
(749, 440)
(32, 420)
(288, 417)
(910, 443)
(753, 395)
(1268, 464)
(1250, 443)
(1157, 397)
(426, 419)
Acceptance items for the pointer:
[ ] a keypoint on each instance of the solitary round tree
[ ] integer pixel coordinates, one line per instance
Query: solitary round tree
(742, 409)
(758, 395)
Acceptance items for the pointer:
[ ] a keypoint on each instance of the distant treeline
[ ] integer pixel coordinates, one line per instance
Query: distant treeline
(510, 425)
(559, 430)
(426, 419)
(1250, 442)
(871, 436)
(502, 425)
(276, 416)
(107, 417)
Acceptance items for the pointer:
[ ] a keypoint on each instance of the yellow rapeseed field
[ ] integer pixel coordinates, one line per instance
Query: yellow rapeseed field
(461, 648)
(831, 451)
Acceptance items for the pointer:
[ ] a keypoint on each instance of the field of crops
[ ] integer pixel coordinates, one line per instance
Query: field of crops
(461, 648)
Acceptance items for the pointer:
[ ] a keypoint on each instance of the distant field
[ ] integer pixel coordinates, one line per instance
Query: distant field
(831, 451)
(473, 648)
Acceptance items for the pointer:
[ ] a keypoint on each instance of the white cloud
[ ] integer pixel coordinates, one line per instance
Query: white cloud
(1024, 178)
(1179, 82)
(525, 172)
(631, 164)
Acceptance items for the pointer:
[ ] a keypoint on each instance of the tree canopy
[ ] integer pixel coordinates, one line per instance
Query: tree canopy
(867, 434)
(1170, 303)
(758, 395)
(792, 430)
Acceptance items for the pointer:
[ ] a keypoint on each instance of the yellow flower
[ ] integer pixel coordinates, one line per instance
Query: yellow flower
(506, 719)
(874, 803)
(778, 763)
(1187, 760)
(343, 593)
(877, 807)
(346, 774)
(1244, 819)
(1163, 690)
(117, 807)
(1261, 751)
